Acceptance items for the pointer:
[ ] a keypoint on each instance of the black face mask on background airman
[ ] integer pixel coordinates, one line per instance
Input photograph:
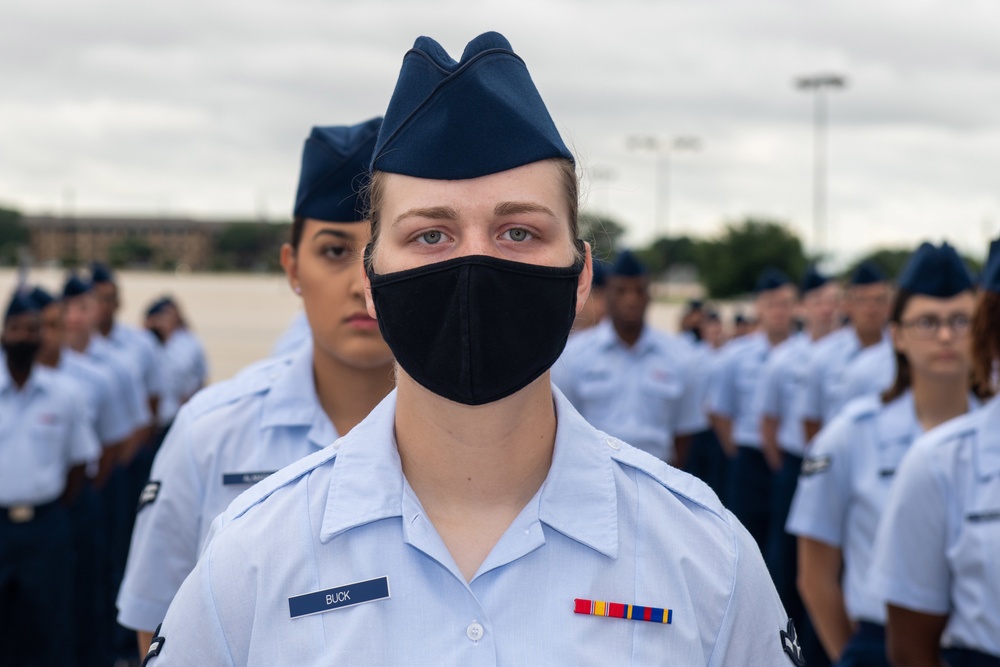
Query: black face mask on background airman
(21, 355)
(476, 329)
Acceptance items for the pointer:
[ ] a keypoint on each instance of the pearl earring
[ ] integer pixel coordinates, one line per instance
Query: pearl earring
(298, 289)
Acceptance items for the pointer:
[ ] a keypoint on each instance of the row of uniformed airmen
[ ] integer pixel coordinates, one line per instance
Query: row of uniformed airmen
(484, 572)
(81, 400)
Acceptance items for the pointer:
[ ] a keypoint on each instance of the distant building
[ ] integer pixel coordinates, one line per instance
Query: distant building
(156, 242)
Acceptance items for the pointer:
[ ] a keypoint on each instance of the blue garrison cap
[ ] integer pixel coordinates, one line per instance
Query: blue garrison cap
(771, 278)
(628, 265)
(937, 272)
(812, 279)
(159, 305)
(601, 269)
(75, 286)
(20, 302)
(41, 298)
(99, 273)
(741, 319)
(991, 272)
(334, 168)
(452, 120)
(867, 273)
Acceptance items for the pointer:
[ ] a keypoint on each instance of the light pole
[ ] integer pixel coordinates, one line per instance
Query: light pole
(818, 85)
(662, 149)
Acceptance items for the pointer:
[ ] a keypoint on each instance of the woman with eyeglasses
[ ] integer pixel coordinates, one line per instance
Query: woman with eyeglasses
(850, 467)
(937, 554)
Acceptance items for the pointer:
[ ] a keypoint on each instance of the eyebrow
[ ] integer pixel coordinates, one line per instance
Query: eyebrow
(333, 232)
(433, 213)
(516, 207)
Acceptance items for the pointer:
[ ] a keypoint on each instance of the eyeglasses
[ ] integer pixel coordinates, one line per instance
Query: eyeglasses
(928, 326)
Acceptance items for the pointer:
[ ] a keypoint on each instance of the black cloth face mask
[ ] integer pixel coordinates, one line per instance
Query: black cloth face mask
(21, 355)
(476, 329)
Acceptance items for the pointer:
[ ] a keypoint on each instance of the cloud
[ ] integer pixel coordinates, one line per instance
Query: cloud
(201, 108)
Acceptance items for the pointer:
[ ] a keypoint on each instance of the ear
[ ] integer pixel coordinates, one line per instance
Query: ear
(290, 263)
(583, 282)
(369, 302)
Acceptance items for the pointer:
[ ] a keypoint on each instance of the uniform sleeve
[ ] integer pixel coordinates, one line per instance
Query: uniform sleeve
(192, 632)
(755, 629)
(723, 396)
(165, 538)
(690, 415)
(769, 392)
(812, 397)
(820, 505)
(83, 445)
(910, 561)
(114, 422)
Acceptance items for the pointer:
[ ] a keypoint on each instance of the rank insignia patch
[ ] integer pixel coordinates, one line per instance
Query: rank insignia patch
(790, 643)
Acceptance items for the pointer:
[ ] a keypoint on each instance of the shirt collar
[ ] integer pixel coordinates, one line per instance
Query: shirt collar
(988, 438)
(608, 338)
(292, 399)
(578, 497)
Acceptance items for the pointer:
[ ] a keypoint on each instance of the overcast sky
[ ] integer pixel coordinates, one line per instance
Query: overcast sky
(200, 108)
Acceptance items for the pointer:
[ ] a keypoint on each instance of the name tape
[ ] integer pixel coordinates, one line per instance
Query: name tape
(239, 478)
(349, 595)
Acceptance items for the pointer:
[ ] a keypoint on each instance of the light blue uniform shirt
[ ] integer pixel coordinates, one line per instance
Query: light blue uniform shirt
(185, 370)
(735, 388)
(938, 546)
(141, 346)
(45, 433)
(844, 487)
(297, 334)
(872, 371)
(127, 384)
(225, 439)
(605, 525)
(831, 362)
(108, 412)
(644, 394)
(782, 383)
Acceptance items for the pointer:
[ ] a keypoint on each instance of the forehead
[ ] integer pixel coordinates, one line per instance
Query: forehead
(538, 183)
(929, 304)
(21, 321)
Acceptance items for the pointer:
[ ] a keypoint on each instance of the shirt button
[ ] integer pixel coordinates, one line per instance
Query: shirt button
(613, 444)
(474, 632)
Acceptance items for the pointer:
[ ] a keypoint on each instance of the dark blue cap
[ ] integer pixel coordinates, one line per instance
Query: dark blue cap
(695, 305)
(990, 280)
(41, 298)
(771, 278)
(159, 305)
(75, 286)
(991, 274)
(452, 120)
(741, 319)
(99, 273)
(20, 302)
(334, 170)
(867, 273)
(601, 269)
(628, 265)
(812, 279)
(937, 272)
(712, 316)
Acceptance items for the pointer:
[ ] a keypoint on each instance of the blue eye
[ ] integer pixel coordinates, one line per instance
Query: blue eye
(432, 237)
(517, 234)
